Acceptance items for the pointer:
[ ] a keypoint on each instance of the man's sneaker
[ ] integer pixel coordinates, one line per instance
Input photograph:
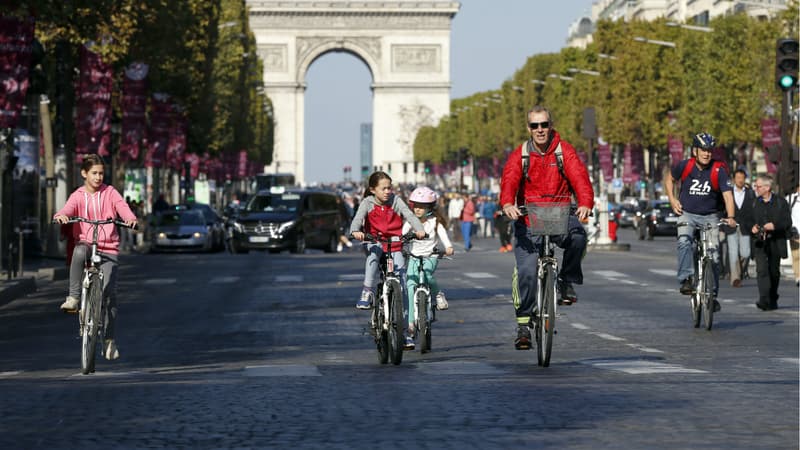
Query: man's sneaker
(687, 286)
(568, 295)
(71, 305)
(409, 343)
(441, 302)
(523, 341)
(717, 306)
(111, 352)
(365, 302)
(509, 248)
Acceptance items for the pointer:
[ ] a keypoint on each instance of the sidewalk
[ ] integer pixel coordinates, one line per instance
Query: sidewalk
(36, 271)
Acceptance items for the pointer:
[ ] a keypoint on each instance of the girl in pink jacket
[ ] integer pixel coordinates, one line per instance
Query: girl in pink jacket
(96, 201)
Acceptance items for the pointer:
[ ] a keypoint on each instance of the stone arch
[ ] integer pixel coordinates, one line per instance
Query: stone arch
(342, 45)
(405, 46)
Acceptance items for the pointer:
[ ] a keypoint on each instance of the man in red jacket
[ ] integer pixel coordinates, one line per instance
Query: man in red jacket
(550, 181)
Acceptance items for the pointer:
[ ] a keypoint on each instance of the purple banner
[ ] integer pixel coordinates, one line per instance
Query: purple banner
(158, 132)
(770, 137)
(16, 38)
(134, 106)
(675, 146)
(177, 138)
(93, 119)
(604, 158)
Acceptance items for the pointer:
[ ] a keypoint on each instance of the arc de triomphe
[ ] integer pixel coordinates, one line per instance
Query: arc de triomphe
(405, 45)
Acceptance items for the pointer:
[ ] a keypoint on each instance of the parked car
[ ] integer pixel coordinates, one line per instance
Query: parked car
(175, 230)
(294, 219)
(660, 220)
(215, 224)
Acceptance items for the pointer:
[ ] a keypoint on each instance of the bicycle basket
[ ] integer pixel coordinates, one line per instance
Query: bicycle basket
(548, 218)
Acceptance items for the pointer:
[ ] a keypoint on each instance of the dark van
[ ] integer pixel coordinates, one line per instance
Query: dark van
(293, 219)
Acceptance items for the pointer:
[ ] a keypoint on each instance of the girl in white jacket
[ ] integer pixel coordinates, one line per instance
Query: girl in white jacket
(423, 203)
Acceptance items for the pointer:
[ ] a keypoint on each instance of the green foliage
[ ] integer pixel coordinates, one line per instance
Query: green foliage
(201, 52)
(721, 82)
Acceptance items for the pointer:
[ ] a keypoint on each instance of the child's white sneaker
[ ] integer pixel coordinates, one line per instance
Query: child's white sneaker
(111, 351)
(71, 305)
(441, 302)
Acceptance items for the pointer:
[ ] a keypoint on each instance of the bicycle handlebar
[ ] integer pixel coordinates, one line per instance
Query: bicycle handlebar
(369, 238)
(76, 219)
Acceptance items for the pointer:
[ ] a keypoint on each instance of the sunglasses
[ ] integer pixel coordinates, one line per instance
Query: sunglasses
(535, 125)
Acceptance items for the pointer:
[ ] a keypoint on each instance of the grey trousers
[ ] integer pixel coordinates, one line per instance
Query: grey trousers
(108, 265)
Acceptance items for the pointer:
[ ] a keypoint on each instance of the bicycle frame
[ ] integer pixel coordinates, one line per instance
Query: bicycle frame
(701, 297)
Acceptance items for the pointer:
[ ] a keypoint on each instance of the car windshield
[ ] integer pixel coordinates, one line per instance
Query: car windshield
(274, 203)
(180, 218)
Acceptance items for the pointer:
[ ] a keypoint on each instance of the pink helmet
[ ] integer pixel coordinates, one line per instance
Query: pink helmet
(423, 194)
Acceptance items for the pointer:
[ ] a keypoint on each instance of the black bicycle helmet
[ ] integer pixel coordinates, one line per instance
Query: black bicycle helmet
(704, 140)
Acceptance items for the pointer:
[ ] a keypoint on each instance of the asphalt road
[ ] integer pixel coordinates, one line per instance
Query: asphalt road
(267, 351)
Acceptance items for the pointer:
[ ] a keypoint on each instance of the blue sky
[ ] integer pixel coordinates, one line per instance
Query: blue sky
(490, 40)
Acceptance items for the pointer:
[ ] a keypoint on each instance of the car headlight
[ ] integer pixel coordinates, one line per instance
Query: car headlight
(198, 235)
(162, 235)
(285, 226)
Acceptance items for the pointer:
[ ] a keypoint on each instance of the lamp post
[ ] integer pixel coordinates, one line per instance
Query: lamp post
(654, 41)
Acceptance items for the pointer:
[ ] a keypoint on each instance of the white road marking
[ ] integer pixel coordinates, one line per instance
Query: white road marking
(608, 337)
(480, 275)
(790, 360)
(727, 300)
(637, 367)
(579, 326)
(351, 277)
(459, 368)
(665, 272)
(10, 374)
(642, 348)
(609, 274)
(219, 280)
(109, 374)
(160, 281)
(282, 370)
(626, 281)
(288, 278)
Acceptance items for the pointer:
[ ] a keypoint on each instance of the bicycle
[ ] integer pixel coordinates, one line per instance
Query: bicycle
(424, 310)
(702, 299)
(91, 314)
(546, 220)
(388, 321)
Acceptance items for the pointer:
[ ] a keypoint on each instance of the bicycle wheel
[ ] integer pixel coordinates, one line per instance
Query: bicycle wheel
(91, 324)
(423, 298)
(707, 288)
(381, 335)
(695, 305)
(395, 322)
(547, 319)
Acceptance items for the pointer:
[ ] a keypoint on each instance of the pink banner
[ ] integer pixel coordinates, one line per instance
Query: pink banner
(16, 39)
(606, 165)
(675, 147)
(158, 132)
(177, 139)
(134, 107)
(241, 171)
(93, 120)
(770, 137)
(637, 159)
(194, 164)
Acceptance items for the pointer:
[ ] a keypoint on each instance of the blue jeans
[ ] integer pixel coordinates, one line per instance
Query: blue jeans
(687, 223)
(371, 269)
(466, 232)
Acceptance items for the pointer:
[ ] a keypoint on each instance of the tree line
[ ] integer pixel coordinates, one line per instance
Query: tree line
(722, 82)
(200, 52)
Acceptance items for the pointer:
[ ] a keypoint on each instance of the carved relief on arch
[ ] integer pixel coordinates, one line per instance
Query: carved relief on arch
(371, 46)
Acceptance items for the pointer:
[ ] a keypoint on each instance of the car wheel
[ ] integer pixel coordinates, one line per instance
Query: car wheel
(299, 244)
(333, 242)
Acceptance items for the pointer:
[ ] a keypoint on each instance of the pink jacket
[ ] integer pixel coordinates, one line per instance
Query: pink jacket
(103, 204)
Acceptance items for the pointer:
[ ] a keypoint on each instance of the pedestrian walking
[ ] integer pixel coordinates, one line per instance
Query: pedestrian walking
(467, 219)
(487, 209)
(794, 236)
(770, 227)
(738, 238)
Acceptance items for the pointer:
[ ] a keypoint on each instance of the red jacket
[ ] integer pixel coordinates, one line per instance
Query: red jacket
(546, 183)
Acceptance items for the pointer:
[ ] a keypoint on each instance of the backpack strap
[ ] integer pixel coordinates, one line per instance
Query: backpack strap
(526, 156)
(688, 169)
(716, 166)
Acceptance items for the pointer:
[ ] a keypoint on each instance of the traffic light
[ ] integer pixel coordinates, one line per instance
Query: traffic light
(427, 167)
(786, 63)
(463, 156)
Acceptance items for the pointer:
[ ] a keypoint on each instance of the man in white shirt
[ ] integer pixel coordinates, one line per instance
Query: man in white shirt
(739, 238)
(794, 241)
(454, 209)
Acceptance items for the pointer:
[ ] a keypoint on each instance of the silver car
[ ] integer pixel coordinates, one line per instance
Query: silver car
(177, 230)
